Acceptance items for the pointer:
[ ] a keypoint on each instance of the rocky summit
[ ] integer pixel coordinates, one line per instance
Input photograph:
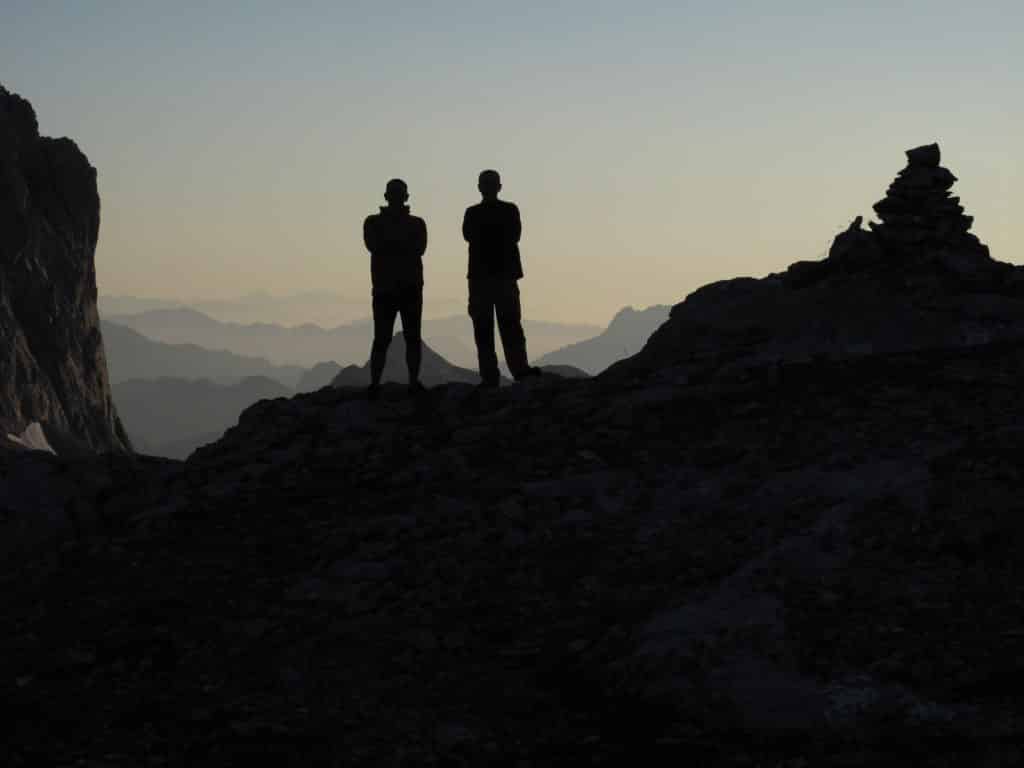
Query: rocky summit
(53, 371)
(778, 536)
(917, 280)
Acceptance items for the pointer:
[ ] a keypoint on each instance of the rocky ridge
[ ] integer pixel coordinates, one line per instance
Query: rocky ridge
(751, 560)
(917, 280)
(52, 365)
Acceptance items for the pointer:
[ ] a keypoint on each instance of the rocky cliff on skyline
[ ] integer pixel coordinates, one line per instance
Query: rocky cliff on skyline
(52, 364)
(917, 280)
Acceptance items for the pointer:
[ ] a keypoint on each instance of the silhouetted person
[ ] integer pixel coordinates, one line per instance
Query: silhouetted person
(492, 228)
(396, 241)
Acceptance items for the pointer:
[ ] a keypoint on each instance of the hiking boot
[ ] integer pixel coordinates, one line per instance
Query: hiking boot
(530, 372)
(416, 388)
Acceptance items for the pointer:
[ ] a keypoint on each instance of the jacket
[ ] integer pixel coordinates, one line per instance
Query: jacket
(396, 241)
(492, 228)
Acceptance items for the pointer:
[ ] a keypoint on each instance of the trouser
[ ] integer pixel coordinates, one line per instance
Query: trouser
(407, 302)
(490, 296)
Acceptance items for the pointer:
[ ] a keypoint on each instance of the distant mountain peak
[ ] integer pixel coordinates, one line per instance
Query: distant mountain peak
(434, 369)
(627, 332)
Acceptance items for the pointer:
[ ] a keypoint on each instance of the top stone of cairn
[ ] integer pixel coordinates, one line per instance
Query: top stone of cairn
(924, 157)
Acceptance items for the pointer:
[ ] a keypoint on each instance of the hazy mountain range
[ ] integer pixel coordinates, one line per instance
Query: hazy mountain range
(173, 415)
(308, 344)
(131, 355)
(624, 336)
(174, 397)
(323, 308)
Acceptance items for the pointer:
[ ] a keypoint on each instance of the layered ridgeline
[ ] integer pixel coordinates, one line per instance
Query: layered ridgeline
(625, 335)
(53, 371)
(786, 533)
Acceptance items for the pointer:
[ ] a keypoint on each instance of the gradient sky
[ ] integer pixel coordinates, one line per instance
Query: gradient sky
(651, 146)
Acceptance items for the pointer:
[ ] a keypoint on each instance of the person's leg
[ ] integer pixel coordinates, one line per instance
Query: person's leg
(510, 326)
(481, 310)
(412, 320)
(385, 308)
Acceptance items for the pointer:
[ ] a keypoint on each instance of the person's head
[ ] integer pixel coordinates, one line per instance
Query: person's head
(396, 192)
(489, 184)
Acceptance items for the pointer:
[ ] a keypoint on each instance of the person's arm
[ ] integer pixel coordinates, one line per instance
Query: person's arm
(468, 233)
(516, 227)
(420, 245)
(369, 235)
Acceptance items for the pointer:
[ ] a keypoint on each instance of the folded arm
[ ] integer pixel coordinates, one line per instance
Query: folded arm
(516, 225)
(420, 244)
(370, 235)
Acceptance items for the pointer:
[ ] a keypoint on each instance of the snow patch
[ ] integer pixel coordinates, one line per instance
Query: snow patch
(33, 439)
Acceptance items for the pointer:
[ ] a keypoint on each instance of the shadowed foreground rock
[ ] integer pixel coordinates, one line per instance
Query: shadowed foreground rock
(52, 366)
(747, 560)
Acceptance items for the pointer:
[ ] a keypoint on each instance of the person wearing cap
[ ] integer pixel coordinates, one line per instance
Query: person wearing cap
(492, 228)
(396, 241)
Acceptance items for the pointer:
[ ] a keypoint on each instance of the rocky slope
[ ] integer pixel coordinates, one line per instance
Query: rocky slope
(917, 280)
(52, 365)
(172, 416)
(306, 345)
(434, 369)
(799, 561)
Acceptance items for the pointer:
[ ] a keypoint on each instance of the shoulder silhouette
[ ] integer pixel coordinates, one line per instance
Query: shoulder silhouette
(492, 228)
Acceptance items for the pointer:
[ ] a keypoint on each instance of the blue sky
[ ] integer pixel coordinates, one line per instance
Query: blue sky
(652, 147)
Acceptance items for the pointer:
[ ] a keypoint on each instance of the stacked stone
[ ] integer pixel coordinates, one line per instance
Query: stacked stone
(918, 213)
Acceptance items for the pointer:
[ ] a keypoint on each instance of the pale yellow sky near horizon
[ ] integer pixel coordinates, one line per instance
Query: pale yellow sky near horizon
(652, 152)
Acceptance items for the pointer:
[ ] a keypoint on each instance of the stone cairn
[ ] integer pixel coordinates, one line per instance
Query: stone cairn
(919, 216)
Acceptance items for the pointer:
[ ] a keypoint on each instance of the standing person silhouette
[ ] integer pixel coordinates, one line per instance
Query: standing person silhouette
(492, 228)
(396, 241)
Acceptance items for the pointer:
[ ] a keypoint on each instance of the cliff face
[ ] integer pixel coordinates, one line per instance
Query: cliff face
(52, 365)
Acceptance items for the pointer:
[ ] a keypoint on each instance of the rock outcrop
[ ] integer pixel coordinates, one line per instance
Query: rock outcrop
(917, 280)
(52, 365)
